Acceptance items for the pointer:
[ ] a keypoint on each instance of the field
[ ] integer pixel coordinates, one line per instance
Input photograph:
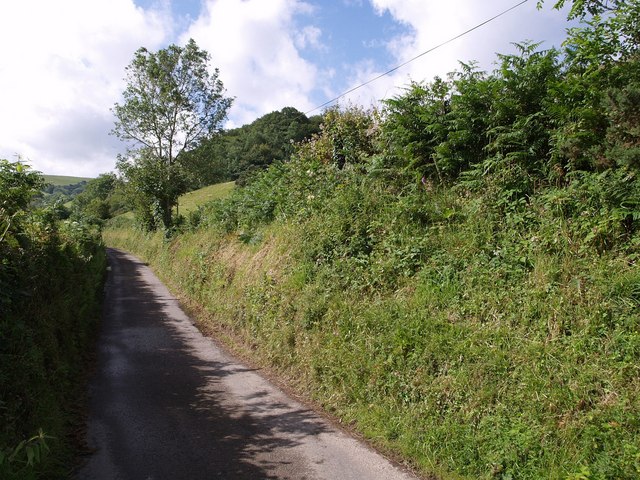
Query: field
(190, 201)
(60, 180)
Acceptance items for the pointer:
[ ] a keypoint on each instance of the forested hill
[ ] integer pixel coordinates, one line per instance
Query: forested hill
(63, 188)
(454, 275)
(239, 152)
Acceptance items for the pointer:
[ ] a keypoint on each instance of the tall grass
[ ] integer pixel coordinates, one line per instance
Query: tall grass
(475, 344)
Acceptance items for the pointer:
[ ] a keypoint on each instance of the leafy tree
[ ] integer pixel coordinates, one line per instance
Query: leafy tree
(153, 187)
(467, 121)
(351, 133)
(238, 153)
(101, 199)
(18, 186)
(520, 121)
(583, 8)
(415, 126)
(171, 104)
(599, 91)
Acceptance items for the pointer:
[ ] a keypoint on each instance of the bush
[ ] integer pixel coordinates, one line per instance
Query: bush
(51, 273)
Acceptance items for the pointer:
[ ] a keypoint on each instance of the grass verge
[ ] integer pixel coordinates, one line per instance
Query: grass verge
(508, 352)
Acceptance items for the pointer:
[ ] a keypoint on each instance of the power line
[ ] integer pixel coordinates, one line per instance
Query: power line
(504, 12)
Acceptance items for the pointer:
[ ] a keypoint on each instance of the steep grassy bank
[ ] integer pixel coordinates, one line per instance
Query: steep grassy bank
(455, 274)
(475, 345)
(51, 274)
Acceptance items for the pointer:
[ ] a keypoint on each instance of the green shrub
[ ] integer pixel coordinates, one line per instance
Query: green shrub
(51, 273)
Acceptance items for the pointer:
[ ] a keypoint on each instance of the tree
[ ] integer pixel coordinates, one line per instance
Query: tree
(18, 186)
(239, 153)
(171, 103)
(584, 8)
(101, 199)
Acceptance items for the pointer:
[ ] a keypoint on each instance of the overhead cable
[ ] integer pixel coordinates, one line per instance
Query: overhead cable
(504, 12)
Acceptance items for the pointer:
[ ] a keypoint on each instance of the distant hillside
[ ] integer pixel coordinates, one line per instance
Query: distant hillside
(61, 180)
(238, 152)
(64, 187)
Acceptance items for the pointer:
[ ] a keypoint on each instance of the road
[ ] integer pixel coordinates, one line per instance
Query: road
(167, 403)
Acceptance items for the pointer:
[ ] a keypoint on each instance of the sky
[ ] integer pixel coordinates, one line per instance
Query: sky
(62, 63)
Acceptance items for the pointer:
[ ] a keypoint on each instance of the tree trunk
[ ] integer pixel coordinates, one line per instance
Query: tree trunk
(166, 213)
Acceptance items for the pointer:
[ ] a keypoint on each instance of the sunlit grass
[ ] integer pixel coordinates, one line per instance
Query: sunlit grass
(192, 200)
(479, 365)
(60, 180)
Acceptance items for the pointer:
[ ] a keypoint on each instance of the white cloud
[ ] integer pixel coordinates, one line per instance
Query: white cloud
(309, 36)
(61, 70)
(255, 44)
(433, 22)
(62, 62)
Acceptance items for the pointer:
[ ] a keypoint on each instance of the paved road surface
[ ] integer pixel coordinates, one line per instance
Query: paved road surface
(166, 403)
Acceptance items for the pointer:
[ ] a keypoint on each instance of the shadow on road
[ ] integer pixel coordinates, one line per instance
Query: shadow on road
(159, 410)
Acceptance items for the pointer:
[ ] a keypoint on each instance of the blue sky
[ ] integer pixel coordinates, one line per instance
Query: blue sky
(62, 63)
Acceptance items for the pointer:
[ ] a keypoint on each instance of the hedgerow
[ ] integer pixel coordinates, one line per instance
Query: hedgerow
(51, 273)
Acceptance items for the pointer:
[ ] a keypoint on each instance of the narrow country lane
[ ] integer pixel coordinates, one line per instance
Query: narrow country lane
(166, 403)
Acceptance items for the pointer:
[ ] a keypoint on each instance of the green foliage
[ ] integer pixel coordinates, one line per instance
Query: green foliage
(475, 343)
(600, 211)
(101, 199)
(298, 188)
(248, 207)
(351, 133)
(18, 463)
(171, 104)
(415, 125)
(59, 190)
(18, 186)
(456, 275)
(622, 143)
(584, 8)
(467, 122)
(238, 153)
(602, 67)
(51, 273)
(66, 191)
(520, 123)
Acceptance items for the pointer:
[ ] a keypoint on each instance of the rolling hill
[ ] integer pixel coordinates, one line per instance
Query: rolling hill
(61, 180)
